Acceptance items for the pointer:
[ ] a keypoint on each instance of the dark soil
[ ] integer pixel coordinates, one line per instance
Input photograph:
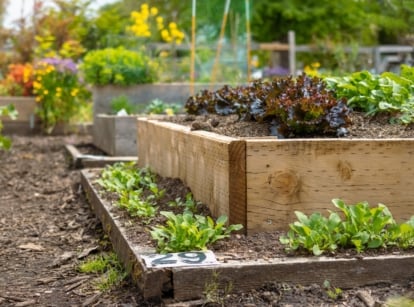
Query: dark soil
(47, 229)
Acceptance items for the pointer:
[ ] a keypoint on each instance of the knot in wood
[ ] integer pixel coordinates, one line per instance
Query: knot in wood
(345, 170)
(285, 183)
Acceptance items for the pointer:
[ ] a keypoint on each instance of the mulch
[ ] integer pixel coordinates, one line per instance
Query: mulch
(47, 229)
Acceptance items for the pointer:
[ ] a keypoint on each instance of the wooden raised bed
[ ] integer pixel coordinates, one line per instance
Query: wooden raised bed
(116, 135)
(260, 182)
(26, 121)
(180, 284)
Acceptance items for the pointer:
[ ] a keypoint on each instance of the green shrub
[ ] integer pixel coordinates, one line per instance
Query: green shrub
(122, 103)
(118, 66)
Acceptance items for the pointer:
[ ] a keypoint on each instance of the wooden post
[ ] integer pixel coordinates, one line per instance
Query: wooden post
(193, 37)
(292, 53)
(248, 43)
(223, 27)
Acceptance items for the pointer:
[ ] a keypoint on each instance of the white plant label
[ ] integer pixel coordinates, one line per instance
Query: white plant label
(197, 258)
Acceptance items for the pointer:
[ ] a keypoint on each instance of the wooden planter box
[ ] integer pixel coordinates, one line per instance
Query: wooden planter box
(26, 120)
(116, 135)
(180, 284)
(260, 182)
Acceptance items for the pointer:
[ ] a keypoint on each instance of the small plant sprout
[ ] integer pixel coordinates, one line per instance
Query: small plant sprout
(212, 290)
(190, 232)
(190, 204)
(107, 268)
(332, 292)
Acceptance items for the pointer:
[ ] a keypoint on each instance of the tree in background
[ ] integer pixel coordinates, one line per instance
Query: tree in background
(330, 26)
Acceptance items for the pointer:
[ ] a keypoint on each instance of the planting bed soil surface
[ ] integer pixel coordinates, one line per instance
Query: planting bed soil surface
(47, 229)
(361, 126)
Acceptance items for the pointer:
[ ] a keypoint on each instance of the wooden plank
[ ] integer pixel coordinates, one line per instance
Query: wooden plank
(305, 175)
(79, 160)
(152, 282)
(24, 105)
(211, 165)
(343, 273)
(115, 135)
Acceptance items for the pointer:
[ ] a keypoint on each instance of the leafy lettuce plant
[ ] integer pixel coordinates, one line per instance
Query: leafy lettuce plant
(189, 232)
(296, 107)
(126, 176)
(363, 227)
(315, 233)
(137, 205)
(373, 93)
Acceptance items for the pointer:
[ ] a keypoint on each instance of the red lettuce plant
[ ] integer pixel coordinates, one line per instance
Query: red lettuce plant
(296, 107)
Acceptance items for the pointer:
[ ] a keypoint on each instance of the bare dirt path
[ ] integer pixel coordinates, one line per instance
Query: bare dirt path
(46, 227)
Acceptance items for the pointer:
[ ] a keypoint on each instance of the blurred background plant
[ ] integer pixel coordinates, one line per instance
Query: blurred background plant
(18, 81)
(118, 66)
(58, 91)
(159, 29)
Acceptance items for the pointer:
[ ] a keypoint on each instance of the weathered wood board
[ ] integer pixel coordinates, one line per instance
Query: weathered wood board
(180, 282)
(204, 161)
(26, 120)
(79, 160)
(151, 282)
(261, 182)
(115, 135)
(305, 175)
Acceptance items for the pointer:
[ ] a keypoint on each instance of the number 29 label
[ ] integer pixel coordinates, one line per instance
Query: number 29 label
(197, 258)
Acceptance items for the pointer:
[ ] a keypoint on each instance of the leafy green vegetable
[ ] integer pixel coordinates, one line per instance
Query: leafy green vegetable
(189, 232)
(363, 227)
(372, 93)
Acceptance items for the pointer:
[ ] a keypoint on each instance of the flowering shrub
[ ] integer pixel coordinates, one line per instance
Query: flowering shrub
(58, 91)
(148, 24)
(19, 81)
(118, 66)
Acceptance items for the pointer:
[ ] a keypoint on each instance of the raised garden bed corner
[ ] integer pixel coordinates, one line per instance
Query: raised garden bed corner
(260, 182)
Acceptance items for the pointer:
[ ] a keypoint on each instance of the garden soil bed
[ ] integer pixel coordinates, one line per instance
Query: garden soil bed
(47, 228)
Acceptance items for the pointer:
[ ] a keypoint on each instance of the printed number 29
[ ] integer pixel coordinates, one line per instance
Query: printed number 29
(192, 257)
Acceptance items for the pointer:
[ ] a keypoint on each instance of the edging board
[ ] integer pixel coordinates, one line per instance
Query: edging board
(181, 283)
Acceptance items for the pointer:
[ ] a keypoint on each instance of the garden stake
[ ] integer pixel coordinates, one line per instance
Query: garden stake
(248, 43)
(223, 26)
(193, 30)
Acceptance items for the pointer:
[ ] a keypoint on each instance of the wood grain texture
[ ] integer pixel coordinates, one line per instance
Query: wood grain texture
(190, 282)
(342, 273)
(211, 165)
(152, 283)
(305, 175)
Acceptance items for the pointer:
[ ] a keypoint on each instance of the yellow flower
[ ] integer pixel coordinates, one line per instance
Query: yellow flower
(38, 99)
(37, 85)
(169, 111)
(154, 11)
(172, 25)
(45, 92)
(74, 92)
